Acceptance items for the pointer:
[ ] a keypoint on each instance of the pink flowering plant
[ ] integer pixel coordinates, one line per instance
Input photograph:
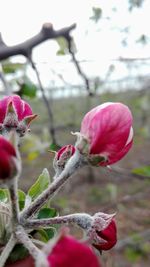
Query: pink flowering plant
(26, 220)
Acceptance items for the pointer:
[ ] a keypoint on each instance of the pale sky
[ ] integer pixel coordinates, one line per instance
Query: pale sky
(99, 43)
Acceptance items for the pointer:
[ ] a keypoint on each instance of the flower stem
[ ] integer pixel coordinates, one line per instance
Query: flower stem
(14, 202)
(81, 219)
(35, 252)
(75, 162)
(7, 250)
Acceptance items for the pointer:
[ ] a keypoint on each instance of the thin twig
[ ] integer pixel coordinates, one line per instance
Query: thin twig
(36, 253)
(124, 59)
(49, 110)
(132, 241)
(7, 250)
(77, 65)
(67, 219)
(126, 199)
(127, 174)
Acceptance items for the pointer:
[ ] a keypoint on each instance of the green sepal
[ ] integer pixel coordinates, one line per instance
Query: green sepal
(95, 160)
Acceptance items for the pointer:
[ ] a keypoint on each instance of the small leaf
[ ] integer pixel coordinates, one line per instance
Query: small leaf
(21, 199)
(47, 213)
(97, 14)
(43, 235)
(133, 255)
(50, 232)
(28, 89)
(19, 252)
(9, 67)
(40, 185)
(3, 196)
(60, 52)
(63, 46)
(54, 147)
(145, 170)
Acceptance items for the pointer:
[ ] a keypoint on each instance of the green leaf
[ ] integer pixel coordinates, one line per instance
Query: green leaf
(3, 196)
(133, 255)
(43, 235)
(60, 52)
(54, 147)
(63, 46)
(50, 232)
(97, 14)
(9, 67)
(47, 213)
(19, 252)
(142, 171)
(21, 199)
(40, 185)
(28, 89)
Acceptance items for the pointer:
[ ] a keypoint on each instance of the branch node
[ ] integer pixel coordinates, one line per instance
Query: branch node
(47, 29)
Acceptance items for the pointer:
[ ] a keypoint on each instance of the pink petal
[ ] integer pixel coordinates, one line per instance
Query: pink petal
(7, 146)
(26, 110)
(17, 103)
(68, 252)
(110, 235)
(5, 167)
(114, 158)
(71, 149)
(107, 127)
(3, 107)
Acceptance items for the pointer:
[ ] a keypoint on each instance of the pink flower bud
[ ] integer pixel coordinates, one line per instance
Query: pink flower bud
(65, 151)
(62, 156)
(7, 153)
(15, 113)
(70, 252)
(108, 131)
(109, 234)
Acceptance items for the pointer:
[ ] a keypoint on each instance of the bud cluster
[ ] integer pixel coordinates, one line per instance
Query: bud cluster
(15, 114)
(105, 137)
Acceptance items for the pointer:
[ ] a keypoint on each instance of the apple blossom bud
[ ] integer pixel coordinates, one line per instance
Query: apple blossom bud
(109, 234)
(8, 155)
(93, 225)
(62, 156)
(16, 114)
(106, 133)
(70, 252)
